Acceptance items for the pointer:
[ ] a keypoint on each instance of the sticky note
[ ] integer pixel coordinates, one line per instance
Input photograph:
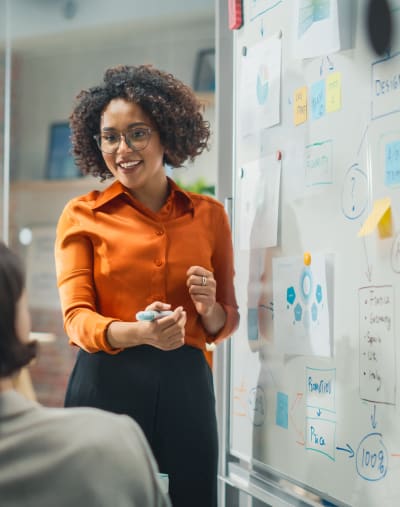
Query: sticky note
(333, 92)
(282, 410)
(300, 105)
(317, 100)
(392, 163)
(252, 323)
(307, 258)
(380, 217)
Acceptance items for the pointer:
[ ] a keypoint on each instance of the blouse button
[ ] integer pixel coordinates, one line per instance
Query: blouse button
(158, 262)
(160, 233)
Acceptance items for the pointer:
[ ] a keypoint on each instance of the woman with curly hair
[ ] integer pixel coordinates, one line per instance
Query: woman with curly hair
(145, 244)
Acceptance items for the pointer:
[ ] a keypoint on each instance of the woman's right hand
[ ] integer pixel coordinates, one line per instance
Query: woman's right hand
(166, 333)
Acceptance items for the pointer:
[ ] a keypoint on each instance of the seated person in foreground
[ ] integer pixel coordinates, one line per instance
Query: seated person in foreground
(62, 457)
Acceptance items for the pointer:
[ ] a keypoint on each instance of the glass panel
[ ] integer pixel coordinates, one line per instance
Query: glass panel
(59, 48)
(2, 91)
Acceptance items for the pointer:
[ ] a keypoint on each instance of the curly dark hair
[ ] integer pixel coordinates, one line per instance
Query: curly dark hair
(171, 105)
(14, 354)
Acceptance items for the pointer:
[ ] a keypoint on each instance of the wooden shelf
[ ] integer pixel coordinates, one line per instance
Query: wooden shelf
(206, 98)
(80, 184)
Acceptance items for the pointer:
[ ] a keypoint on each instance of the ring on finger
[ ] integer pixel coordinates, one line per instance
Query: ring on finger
(203, 281)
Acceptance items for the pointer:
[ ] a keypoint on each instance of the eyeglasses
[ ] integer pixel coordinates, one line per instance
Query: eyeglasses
(136, 138)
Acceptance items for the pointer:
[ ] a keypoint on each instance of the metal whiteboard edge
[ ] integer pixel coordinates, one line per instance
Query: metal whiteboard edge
(244, 474)
(228, 205)
(255, 491)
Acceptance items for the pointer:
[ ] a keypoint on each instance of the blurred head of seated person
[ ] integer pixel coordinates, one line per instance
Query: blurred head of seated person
(15, 349)
(55, 456)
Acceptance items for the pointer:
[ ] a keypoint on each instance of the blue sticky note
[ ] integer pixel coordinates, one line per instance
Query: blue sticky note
(282, 410)
(252, 323)
(392, 163)
(317, 93)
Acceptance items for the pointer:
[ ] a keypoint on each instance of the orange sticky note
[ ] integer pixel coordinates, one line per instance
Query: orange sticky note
(380, 218)
(300, 105)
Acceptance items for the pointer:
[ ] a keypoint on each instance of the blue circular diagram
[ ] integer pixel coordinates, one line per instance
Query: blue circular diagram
(306, 284)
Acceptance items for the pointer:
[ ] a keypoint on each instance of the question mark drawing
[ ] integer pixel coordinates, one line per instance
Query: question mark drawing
(354, 200)
(353, 183)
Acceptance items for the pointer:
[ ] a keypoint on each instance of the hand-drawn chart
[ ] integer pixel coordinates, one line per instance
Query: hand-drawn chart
(317, 30)
(371, 455)
(385, 91)
(259, 93)
(318, 166)
(320, 399)
(312, 11)
(259, 185)
(301, 313)
(377, 344)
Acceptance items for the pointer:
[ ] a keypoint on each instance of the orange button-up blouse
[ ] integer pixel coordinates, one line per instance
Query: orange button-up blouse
(114, 257)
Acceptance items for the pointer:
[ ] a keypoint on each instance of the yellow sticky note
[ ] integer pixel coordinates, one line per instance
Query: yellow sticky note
(300, 105)
(385, 224)
(333, 92)
(380, 217)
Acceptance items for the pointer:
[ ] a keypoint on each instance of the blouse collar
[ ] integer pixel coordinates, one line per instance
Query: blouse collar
(116, 189)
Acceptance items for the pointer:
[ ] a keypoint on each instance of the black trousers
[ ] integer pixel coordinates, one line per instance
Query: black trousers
(171, 396)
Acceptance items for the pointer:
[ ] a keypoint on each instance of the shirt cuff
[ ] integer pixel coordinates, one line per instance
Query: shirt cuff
(101, 337)
(230, 326)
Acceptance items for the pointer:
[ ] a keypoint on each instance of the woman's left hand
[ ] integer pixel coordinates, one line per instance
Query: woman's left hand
(202, 289)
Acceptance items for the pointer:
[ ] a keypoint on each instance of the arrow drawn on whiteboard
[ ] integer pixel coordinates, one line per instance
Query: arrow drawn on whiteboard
(374, 422)
(331, 65)
(368, 273)
(298, 397)
(362, 139)
(348, 449)
(269, 370)
(300, 435)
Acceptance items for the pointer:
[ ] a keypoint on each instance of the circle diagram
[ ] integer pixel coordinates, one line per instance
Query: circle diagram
(354, 193)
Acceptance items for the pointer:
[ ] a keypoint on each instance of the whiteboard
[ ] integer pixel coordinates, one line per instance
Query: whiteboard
(314, 370)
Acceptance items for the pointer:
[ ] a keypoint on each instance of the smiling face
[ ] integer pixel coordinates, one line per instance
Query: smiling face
(139, 171)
